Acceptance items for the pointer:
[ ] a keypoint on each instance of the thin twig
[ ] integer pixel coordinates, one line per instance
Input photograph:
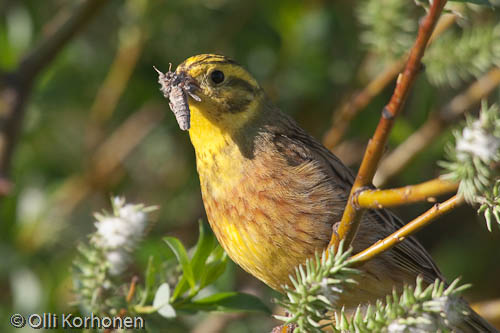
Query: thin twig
(352, 217)
(16, 86)
(109, 153)
(131, 292)
(426, 191)
(349, 110)
(423, 220)
(5, 187)
(108, 157)
(48, 48)
(119, 74)
(132, 288)
(115, 83)
(434, 126)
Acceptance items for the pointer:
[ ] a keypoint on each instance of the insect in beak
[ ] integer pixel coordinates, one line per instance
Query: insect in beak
(176, 87)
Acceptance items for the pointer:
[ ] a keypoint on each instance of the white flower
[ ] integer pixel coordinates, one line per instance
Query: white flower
(330, 291)
(451, 309)
(424, 323)
(118, 234)
(113, 232)
(135, 218)
(476, 141)
(118, 261)
(397, 327)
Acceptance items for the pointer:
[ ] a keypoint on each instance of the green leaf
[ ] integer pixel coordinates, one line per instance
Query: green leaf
(477, 2)
(227, 302)
(182, 257)
(487, 216)
(204, 246)
(150, 280)
(213, 271)
(161, 301)
(181, 288)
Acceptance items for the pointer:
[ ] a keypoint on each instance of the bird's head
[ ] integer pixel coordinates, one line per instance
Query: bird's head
(228, 95)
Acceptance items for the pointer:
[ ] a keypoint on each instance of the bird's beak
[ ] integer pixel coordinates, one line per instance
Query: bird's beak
(190, 86)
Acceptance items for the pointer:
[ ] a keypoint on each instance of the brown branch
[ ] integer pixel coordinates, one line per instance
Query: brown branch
(13, 96)
(131, 292)
(426, 191)
(352, 217)
(5, 187)
(423, 220)
(109, 153)
(115, 83)
(48, 48)
(349, 110)
(16, 86)
(344, 115)
(119, 74)
(105, 163)
(434, 126)
(132, 288)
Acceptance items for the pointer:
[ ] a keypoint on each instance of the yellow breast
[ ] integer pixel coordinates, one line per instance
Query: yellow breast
(259, 228)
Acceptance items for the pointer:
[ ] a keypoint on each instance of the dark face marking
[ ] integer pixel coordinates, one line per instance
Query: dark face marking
(241, 94)
(238, 83)
(237, 104)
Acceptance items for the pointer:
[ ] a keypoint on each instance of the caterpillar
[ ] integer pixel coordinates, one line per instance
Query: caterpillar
(175, 87)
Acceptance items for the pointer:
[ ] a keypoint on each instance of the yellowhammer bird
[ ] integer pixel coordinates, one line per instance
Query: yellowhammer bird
(271, 191)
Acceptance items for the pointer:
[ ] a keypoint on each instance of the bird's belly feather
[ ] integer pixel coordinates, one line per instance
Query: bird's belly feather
(261, 223)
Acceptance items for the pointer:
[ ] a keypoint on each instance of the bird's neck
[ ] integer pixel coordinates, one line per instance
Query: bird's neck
(205, 134)
(211, 133)
(218, 158)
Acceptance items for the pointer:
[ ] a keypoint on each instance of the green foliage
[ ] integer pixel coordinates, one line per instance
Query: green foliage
(417, 309)
(205, 266)
(476, 2)
(102, 291)
(182, 258)
(474, 161)
(475, 50)
(226, 302)
(389, 28)
(317, 286)
(97, 268)
(312, 302)
(92, 283)
(389, 31)
(490, 205)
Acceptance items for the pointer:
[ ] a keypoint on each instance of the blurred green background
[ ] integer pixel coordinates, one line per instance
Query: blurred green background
(96, 124)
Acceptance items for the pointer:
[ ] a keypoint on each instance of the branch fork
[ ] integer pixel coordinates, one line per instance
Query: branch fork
(352, 214)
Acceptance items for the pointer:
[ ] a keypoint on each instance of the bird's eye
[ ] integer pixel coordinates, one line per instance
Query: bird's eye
(217, 76)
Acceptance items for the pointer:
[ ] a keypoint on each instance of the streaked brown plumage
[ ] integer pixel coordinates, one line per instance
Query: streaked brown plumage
(272, 192)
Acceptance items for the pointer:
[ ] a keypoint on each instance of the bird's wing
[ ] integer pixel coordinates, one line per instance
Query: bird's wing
(410, 255)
